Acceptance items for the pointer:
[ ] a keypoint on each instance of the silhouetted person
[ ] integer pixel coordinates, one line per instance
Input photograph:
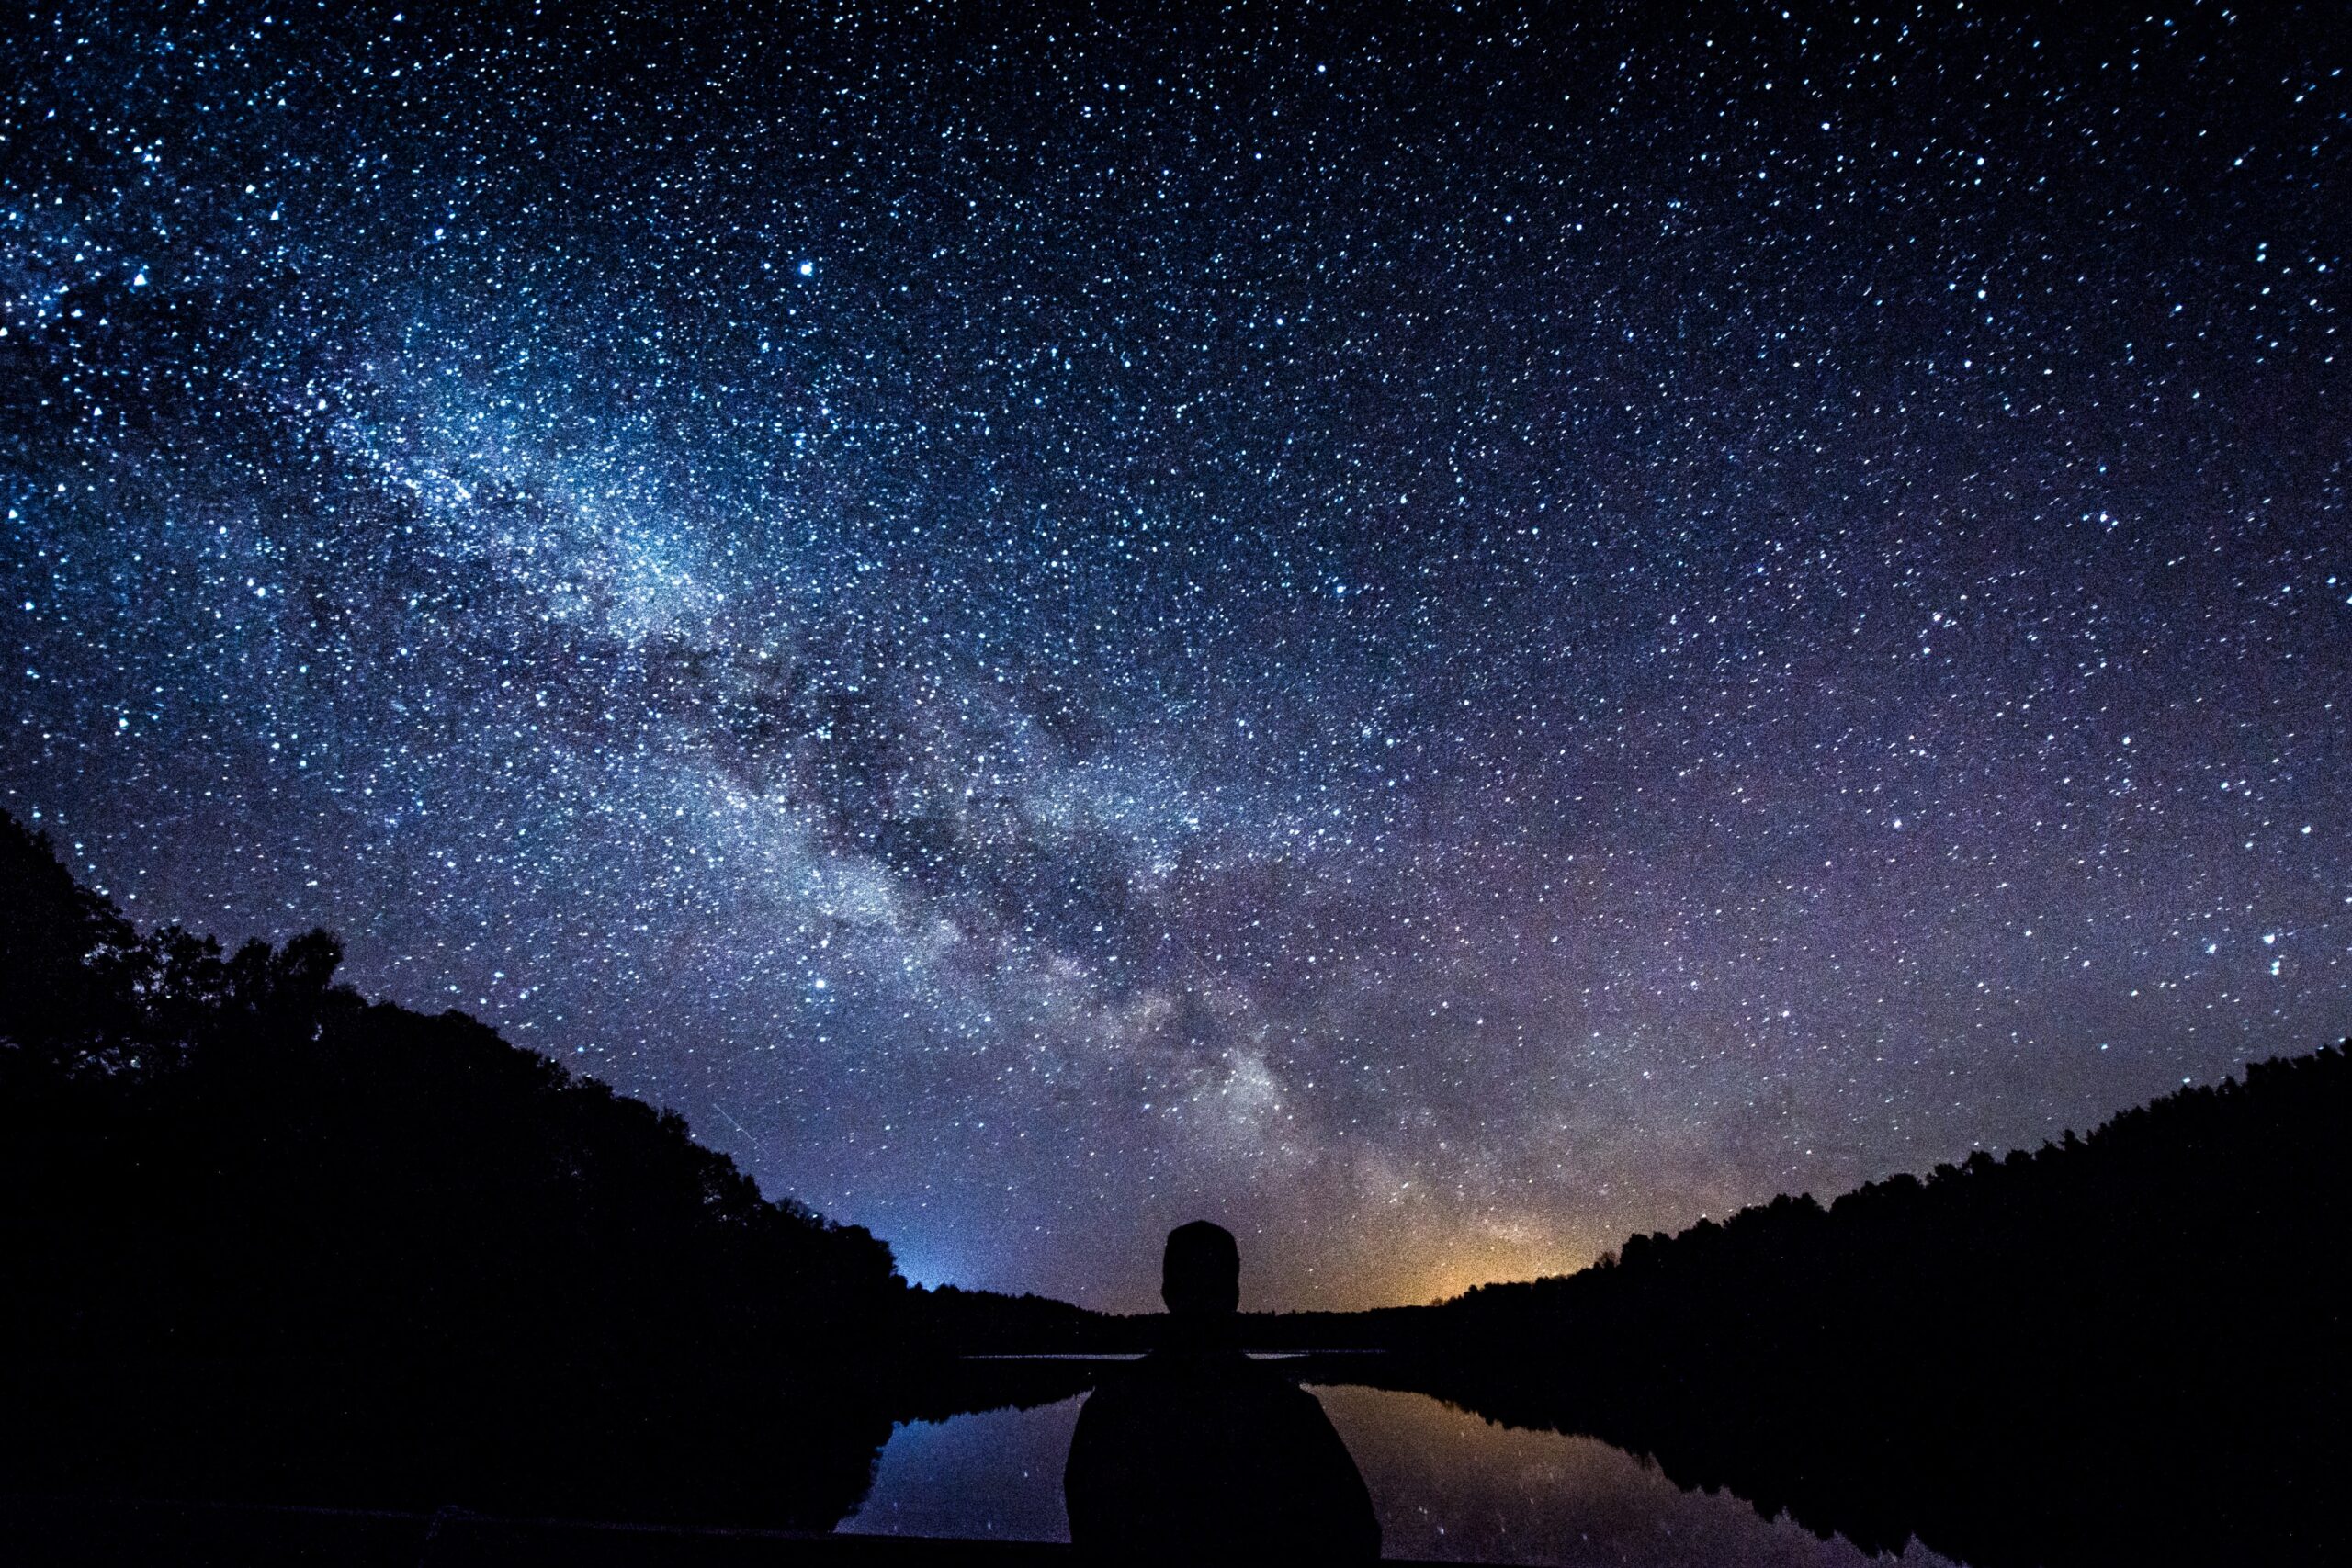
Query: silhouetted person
(1198, 1454)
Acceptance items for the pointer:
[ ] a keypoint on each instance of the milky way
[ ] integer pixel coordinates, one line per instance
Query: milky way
(1440, 635)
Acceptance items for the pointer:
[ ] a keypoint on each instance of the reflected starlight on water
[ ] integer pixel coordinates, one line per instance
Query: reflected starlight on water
(1446, 1483)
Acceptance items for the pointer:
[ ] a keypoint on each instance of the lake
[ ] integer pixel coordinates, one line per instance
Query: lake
(1447, 1484)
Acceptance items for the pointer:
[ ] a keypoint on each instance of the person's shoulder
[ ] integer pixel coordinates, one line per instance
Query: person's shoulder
(1266, 1375)
(1122, 1382)
(1285, 1395)
(1262, 1383)
(1174, 1364)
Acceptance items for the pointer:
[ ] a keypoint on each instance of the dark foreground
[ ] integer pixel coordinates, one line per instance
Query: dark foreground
(44, 1532)
(268, 1243)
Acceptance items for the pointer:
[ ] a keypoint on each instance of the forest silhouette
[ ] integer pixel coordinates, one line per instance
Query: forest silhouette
(261, 1238)
(2124, 1347)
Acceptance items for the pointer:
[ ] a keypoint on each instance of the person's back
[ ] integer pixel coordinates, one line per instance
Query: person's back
(1197, 1453)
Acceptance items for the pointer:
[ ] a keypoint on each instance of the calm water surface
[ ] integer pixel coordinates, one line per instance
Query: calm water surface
(1446, 1485)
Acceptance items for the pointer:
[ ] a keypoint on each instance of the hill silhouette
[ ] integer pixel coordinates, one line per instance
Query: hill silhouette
(265, 1239)
(262, 1238)
(2121, 1348)
(2124, 1347)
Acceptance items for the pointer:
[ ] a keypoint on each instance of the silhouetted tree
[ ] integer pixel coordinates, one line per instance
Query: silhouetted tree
(2124, 1347)
(259, 1236)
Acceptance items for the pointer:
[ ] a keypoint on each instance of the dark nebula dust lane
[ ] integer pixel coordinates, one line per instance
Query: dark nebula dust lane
(1437, 634)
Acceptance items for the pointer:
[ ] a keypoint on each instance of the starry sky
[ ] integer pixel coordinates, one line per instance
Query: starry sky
(1439, 633)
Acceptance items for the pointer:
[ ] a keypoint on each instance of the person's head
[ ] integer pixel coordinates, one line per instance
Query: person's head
(1200, 1274)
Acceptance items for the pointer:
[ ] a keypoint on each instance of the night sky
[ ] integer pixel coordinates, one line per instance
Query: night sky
(1440, 635)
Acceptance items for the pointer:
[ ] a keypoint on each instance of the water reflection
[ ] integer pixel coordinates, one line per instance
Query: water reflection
(1447, 1483)
(1450, 1485)
(995, 1472)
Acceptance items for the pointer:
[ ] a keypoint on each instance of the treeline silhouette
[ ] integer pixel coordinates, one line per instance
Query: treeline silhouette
(2124, 1347)
(260, 1237)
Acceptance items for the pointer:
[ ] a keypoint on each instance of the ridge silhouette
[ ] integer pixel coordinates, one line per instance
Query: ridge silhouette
(1197, 1453)
(262, 1239)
